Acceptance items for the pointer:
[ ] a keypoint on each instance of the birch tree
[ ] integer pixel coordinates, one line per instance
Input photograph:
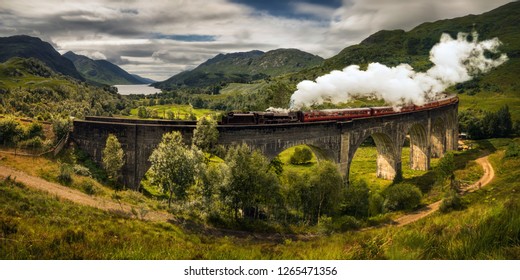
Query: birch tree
(175, 166)
(113, 158)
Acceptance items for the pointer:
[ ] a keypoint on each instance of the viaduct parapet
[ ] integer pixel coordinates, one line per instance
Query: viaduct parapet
(432, 132)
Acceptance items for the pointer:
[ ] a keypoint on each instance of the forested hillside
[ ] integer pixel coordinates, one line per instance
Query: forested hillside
(30, 88)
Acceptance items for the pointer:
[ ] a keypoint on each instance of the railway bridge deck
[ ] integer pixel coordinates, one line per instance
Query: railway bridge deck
(432, 132)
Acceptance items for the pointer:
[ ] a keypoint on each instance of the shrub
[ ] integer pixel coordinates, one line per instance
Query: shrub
(375, 204)
(10, 131)
(35, 129)
(81, 170)
(33, 143)
(301, 156)
(451, 202)
(356, 201)
(65, 175)
(401, 197)
(512, 150)
(61, 127)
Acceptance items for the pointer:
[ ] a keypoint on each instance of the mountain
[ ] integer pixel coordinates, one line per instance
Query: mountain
(101, 71)
(392, 47)
(27, 47)
(143, 80)
(29, 87)
(242, 67)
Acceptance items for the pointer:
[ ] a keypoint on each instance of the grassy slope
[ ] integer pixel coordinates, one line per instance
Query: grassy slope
(39, 226)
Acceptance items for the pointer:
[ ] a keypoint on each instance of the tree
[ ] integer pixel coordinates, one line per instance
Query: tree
(205, 135)
(446, 166)
(356, 201)
(61, 127)
(142, 112)
(301, 156)
(175, 166)
(252, 184)
(113, 157)
(326, 189)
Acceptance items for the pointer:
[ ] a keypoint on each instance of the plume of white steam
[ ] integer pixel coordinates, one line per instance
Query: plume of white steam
(455, 61)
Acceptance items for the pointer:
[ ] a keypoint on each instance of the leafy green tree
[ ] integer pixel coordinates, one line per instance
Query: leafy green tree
(301, 156)
(252, 185)
(446, 166)
(10, 131)
(61, 127)
(205, 135)
(35, 129)
(276, 165)
(142, 112)
(113, 158)
(505, 123)
(356, 201)
(326, 189)
(175, 166)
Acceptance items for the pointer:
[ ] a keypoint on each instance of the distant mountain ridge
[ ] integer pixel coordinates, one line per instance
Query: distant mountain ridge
(31, 47)
(102, 71)
(242, 67)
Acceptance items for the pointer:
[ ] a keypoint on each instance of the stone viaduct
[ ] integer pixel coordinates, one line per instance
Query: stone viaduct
(432, 132)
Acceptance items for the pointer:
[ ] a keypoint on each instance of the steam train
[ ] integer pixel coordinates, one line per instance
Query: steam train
(273, 117)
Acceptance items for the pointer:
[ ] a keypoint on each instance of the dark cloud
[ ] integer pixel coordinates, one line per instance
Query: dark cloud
(186, 37)
(164, 37)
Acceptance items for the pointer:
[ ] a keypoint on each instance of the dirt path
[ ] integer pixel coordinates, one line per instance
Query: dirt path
(111, 206)
(81, 198)
(489, 174)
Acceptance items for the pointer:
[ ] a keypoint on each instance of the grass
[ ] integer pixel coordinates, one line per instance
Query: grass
(182, 111)
(37, 225)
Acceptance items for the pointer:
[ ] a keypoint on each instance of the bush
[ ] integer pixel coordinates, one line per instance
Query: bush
(451, 202)
(401, 197)
(33, 143)
(512, 150)
(35, 129)
(301, 156)
(10, 131)
(81, 170)
(375, 204)
(61, 127)
(356, 201)
(65, 176)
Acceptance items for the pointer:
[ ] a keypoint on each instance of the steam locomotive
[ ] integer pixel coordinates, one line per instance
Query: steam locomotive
(273, 117)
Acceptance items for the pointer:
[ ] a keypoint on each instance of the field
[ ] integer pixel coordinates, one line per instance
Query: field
(37, 225)
(180, 111)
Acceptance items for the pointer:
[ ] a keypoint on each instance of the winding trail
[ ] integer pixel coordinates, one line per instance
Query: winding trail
(489, 174)
(81, 198)
(161, 216)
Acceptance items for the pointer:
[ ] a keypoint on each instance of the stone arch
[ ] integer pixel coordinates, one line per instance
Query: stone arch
(438, 137)
(419, 147)
(388, 156)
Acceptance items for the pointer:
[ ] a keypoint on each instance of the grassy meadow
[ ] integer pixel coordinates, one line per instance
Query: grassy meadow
(36, 225)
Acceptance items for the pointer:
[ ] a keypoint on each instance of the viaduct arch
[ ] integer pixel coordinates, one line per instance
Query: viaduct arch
(432, 133)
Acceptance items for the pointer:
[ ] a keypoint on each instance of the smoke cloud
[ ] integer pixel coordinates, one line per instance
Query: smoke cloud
(455, 61)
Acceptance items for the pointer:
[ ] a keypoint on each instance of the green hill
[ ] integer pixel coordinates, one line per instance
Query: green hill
(26, 47)
(101, 71)
(242, 67)
(392, 47)
(28, 87)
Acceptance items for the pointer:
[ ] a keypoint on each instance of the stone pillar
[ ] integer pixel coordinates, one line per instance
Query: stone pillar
(419, 151)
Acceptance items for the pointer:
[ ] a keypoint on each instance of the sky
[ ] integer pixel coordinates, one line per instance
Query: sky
(160, 38)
